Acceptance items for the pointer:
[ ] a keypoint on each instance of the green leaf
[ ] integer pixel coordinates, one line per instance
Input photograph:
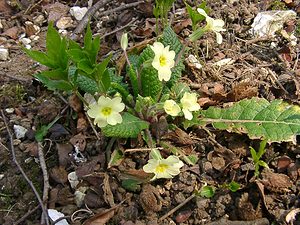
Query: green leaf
(197, 34)
(95, 49)
(105, 81)
(131, 185)
(54, 84)
(194, 15)
(40, 57)
(86, 66)
(274, 121)
(178, 90)
(192, 159)
(53, 41)
(77, 55)
(57, 74)
(73, 45)
(130, 127)
(101, 67)
(43, 130)
(86, 84)
(207, 191)
(88, 38)
(263, 164)
(115, 158)
(234, 186)
(254, 155)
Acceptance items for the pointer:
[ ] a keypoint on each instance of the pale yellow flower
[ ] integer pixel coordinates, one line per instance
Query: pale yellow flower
(106, 111)
(163, 60)
(215, 25)
(164, 168)
(171, 108)
(124, 41)
(189, 104)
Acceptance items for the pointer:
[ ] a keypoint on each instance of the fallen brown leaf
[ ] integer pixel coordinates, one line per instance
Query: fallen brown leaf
(101, 218)
(59, 174)
(63, 151)
(79, 140)
(12, 32)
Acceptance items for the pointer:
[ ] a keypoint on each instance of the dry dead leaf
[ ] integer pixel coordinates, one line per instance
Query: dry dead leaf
(276, 182)
(32, 148)
(75, 103)
(56, 11)
(82, 124)
(291, 216)
(63, 151)
(59, 174)
(5, 8)
(12, 32)
(108, 195)
(79, 140)
(179, 26)
(283, 162)
(180, 137)
(101, 218)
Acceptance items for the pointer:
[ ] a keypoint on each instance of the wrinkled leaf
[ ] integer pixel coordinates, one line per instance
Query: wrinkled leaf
(274, 121)
(131, 126)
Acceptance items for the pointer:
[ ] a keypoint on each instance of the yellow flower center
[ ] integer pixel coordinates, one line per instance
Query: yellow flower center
(106, 111)
(162, 60)
(161, 168)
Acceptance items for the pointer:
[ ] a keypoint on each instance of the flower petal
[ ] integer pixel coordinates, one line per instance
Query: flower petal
(202, 12)
(151, 165)
(187, 114)
(164, 74)
(94, 111)
(114, 118)
(219, 38)
(100, 122)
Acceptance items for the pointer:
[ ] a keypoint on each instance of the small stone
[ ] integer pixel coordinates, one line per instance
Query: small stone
(64, 23)
(78, 12)
(25, 41)
(3, 53)
(19, 131)
(1, 176)
(39, 20)
(9, 110)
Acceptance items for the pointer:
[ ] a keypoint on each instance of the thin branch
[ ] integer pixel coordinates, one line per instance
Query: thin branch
(24, 217)
(45, 176)
(176, 208)
(121, 8)
(21, 169)
(118, 29)
(82, 24)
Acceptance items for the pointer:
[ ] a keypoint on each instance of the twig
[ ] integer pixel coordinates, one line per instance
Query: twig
(118, 29)
(24, 217)
(120, 8)
(176, 208)
(141, 149)
(45, 176)
(82, 24)
(21, 169)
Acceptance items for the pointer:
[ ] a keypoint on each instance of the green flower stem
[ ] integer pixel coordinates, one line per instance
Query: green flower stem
(81, 98)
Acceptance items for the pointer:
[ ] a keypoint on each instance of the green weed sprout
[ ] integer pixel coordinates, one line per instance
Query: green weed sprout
(160, 11)
(256, 156)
